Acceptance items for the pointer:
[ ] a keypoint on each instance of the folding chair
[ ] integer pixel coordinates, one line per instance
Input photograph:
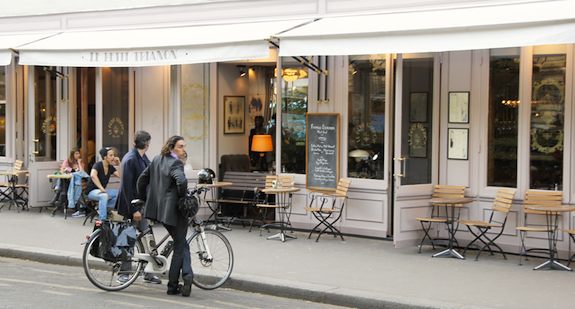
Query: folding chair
(498, 218)
(445, 191)
(15, 191)
(571, 234)
(539, 198)
(264, 205)
(328, 214)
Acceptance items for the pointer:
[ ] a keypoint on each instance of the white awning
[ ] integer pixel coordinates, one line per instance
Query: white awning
(10, 41)
(497, 26)
(155, 46)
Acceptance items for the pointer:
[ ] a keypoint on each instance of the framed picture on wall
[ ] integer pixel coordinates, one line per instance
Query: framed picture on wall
(457, 144)
(234, 114)
(458, 107)
(418, 107)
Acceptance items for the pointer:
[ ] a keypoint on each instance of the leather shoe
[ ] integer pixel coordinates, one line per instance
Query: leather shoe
(175, 291)
(187, 288)
(150, 278)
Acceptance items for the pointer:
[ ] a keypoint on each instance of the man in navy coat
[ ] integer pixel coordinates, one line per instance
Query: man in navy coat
(133, 164)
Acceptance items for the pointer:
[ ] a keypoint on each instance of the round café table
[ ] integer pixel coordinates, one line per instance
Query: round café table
(450, 204)
(283, 204)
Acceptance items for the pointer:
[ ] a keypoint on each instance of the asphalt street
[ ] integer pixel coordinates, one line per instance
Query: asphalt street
(26, 284)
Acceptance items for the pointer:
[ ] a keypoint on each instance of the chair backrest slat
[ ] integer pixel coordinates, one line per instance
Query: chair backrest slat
(542, 198)
(448, 191)
(284, 180)
(343, 186)
(504, 200)
(18, 165)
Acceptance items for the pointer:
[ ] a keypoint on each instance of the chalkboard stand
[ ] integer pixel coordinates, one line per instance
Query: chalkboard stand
(322, 151)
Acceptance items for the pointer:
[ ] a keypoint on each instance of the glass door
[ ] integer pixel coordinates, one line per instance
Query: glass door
(48, 95)
(414, 143)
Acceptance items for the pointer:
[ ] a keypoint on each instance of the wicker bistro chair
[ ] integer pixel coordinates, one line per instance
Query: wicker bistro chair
(539, 198)
(445, 191)
(330, 210)
(497, 220)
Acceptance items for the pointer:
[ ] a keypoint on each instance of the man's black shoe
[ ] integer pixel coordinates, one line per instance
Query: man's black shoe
(187, 288)
(151, 278)
(175, 291)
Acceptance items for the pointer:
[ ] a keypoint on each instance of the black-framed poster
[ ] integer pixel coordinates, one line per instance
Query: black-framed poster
(322, 150)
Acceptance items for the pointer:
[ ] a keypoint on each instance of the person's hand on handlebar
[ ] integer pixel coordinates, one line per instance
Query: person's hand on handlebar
(137, 216)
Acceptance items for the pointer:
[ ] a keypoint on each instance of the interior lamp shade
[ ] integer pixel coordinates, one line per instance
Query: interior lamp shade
(262, 143)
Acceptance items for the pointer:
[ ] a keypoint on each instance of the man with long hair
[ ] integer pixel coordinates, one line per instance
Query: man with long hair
(162, 184)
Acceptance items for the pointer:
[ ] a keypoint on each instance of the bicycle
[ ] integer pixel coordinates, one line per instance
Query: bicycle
(211, 254)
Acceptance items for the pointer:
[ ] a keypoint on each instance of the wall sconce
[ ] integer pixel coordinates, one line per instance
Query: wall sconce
(242, 69)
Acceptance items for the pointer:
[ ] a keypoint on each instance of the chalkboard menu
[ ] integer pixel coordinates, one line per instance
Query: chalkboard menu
(322, 150)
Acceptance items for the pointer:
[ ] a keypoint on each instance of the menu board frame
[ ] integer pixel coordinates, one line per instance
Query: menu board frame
(311, 182)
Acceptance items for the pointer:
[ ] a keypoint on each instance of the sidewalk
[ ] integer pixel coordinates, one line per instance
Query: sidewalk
(357, 273)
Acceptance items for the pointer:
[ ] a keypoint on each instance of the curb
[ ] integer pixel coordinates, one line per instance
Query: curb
(254, 284)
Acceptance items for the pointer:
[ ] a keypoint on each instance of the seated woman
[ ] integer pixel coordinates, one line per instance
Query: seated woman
(99, 177)
(74, 165)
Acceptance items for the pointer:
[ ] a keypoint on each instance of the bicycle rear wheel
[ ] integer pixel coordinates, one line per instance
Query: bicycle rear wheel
(211, 270)
(109, 276)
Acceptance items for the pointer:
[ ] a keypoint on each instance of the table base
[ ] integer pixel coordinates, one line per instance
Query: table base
(449, 253)
(281, 236)
(552, 265)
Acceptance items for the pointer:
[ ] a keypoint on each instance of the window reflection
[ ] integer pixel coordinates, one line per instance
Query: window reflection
(294, 108)
(45, 113)
(503, 118)
(366, 112)
(547, 121)
(115, 109)
(417, 119)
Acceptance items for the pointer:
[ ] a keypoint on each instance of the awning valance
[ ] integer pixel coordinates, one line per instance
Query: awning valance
(10, 41)
(495, 26)
(155, 46)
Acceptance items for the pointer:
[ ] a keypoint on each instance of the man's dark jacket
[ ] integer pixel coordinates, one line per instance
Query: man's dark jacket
(166, 183)
(132, 166)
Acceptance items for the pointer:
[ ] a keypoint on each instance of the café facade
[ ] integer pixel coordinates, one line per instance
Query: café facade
(471, 93)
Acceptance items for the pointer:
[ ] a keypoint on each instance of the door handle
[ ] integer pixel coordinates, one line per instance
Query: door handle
(402, 160)
(36, 141)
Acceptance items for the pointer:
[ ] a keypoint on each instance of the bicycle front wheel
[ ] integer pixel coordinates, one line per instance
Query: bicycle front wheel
(109, 276)
(212, 259)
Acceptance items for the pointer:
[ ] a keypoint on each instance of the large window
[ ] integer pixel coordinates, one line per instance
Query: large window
(547, 119)
(195, 112)
(2, 111)
(366, 112)
(503, 117)
(294, 107)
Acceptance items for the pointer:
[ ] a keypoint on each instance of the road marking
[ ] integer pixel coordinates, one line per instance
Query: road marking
(56, 293)
(123, 303)
(233, 305)
(65, 287)
(5, 285)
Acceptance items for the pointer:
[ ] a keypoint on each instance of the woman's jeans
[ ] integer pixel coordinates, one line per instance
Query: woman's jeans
(75, 188)
(181, 261)
(105, 200)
